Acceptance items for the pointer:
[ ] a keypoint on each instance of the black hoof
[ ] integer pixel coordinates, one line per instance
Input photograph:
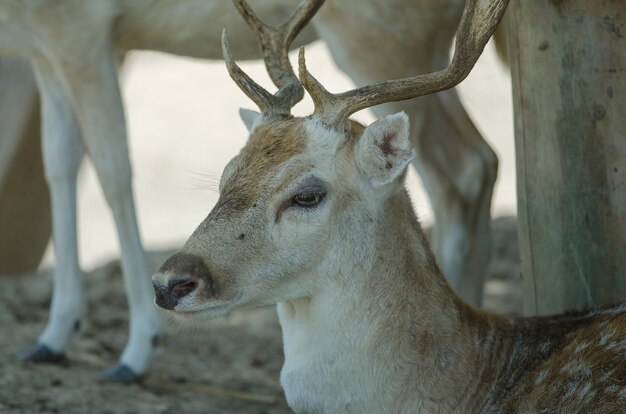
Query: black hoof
(41, 353)
(119, 373)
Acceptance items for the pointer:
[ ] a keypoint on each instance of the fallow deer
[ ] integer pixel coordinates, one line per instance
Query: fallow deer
(313, 215)
(73, 46)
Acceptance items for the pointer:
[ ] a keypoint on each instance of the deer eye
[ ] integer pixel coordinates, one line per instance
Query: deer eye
(308, 198)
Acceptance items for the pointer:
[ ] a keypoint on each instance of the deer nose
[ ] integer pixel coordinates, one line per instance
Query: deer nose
(181, 274)
(168, 296)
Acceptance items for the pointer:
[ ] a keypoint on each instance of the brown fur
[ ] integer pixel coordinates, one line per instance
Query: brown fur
(574, 363)
(270, 145)
(467, 360)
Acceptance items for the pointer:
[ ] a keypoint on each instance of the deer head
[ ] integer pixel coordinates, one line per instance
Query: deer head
(295, 202)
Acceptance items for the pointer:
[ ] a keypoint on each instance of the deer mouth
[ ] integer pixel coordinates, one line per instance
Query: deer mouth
(211, 309)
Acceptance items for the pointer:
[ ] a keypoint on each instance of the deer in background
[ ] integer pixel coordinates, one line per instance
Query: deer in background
(73, 46)
(76, 71)
(313, 215)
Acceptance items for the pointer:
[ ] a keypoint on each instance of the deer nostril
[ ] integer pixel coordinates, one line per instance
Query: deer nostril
(181, 288)
(163, 298)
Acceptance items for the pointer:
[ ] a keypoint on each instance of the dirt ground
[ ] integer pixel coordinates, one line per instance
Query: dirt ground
(231, 367)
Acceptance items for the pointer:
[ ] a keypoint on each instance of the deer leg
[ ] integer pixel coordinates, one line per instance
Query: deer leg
(62, 154)
(459, 170)
(101, 117)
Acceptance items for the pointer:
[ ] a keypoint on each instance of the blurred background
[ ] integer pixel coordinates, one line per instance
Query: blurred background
(183, 123)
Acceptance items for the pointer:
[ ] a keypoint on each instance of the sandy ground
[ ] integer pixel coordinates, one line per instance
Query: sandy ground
(182, 117)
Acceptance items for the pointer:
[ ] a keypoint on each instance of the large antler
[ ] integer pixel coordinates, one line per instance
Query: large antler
(479, 21)
(274, 42)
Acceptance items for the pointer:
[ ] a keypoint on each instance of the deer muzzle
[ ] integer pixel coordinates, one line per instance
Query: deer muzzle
(180, 276)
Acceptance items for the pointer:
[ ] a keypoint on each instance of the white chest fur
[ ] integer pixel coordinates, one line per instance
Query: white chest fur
(326, 369)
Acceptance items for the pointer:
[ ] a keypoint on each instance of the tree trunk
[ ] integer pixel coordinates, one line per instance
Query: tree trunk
(568, 60)
(24, 201)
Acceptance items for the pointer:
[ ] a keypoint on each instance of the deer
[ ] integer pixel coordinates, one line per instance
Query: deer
(313, 216)
(75, 49)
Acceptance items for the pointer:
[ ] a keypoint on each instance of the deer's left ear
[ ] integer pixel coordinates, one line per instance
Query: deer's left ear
(384, 150)
(249, 117)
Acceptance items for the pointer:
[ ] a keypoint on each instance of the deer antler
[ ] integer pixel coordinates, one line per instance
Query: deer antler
(479, 21)
(274, 42)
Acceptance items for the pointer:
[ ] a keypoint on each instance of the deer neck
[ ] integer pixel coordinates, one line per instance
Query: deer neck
(388, 327)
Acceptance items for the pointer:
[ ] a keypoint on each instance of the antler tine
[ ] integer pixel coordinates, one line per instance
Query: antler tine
(326, 103)
(264, 100)
(479, 21)
(275, 44)
(300, 18)
(250, 17)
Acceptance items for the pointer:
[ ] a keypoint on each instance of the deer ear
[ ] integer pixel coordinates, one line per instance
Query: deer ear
(384, 150)
(249, 117)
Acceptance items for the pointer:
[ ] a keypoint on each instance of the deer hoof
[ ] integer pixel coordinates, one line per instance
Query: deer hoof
(119, 373)
(41, 353)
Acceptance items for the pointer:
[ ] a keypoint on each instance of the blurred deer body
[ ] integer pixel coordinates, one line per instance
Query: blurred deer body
(74, 47)
(46, 27)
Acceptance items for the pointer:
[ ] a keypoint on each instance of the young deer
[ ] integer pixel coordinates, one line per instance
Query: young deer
(74, 47)
(313, 216)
